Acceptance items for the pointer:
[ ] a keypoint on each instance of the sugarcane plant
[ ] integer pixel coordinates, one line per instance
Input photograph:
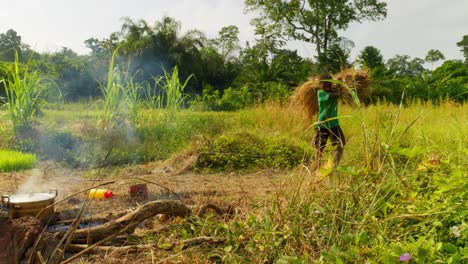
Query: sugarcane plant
(23, 92)
(173, 90)
(120, 98)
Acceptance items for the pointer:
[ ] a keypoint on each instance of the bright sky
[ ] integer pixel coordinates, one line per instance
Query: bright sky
(412, 27)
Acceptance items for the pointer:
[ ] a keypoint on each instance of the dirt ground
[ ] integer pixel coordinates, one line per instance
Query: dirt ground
(241, 190)
(162, 183)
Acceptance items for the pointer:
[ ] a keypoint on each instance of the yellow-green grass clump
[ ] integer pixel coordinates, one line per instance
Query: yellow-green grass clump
(11, 160)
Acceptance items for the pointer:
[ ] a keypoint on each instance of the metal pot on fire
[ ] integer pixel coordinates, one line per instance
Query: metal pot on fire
(31, 204)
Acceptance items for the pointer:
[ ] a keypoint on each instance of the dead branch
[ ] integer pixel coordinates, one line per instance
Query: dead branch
(85, 220)
(130, 221)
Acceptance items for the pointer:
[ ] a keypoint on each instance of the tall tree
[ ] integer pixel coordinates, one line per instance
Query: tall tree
(94, 45)
(402, 65)
(228, 40)
(371, 57)
(337, 56)
(463, 44)
(434, 56)
(73, 75)
(135, 36)
(10, 43)
(316, 21)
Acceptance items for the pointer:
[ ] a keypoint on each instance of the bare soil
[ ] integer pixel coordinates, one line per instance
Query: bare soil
(192, 188)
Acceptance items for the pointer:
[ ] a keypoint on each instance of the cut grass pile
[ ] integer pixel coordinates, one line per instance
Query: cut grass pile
(11, 160)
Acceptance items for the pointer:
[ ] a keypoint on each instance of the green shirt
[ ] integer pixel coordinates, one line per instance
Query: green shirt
(328, 109)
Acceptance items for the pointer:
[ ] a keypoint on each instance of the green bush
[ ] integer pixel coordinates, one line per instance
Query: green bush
(230, 99)
(251, 150)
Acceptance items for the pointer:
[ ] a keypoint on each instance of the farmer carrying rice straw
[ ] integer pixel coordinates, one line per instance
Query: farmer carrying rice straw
(320, 96)
(328, 126)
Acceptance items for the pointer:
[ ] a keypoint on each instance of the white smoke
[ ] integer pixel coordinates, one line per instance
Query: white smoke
(50, 175)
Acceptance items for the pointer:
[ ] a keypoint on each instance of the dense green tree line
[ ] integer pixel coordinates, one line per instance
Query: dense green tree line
(227, 76)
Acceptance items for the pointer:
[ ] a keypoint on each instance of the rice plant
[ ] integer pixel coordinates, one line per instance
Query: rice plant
(23, 90)
(14, 161)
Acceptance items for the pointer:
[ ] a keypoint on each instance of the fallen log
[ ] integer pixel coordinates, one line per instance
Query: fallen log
(131, 220)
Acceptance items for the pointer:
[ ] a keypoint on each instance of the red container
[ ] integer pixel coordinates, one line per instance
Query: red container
(139, 191)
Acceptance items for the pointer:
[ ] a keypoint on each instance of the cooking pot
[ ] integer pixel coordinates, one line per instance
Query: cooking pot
(32, 204)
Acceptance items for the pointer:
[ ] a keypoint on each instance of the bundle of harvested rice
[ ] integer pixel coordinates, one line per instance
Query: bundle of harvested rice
(305, 96)
(356, 81)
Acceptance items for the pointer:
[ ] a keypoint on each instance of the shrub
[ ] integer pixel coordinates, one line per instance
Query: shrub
(230, 99)
(250, 150)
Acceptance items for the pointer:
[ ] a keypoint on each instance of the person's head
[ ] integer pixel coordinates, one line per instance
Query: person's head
(326, 85)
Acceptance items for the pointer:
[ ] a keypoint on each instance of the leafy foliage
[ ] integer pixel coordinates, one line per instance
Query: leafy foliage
(316, 21)
(434, 56)
(463, 44)
(371, 57)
